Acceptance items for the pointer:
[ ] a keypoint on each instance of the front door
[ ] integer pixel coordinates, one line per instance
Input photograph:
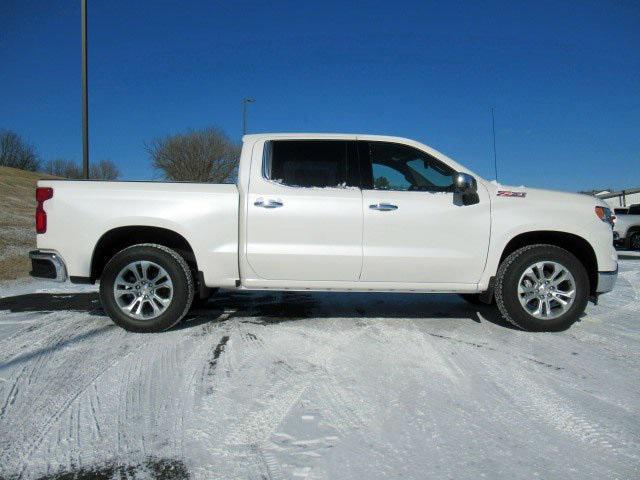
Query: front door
(416, 230)
(304, 219)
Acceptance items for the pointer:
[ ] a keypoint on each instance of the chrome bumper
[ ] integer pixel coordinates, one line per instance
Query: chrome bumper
(606, 281)
(47, 265)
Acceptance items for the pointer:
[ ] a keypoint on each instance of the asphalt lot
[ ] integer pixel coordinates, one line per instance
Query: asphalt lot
(317, 386)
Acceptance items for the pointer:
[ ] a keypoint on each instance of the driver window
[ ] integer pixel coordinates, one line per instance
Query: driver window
(400, 167)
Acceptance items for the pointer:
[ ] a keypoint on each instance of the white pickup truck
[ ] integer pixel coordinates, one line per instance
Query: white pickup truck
(327, 212)
(626, 227)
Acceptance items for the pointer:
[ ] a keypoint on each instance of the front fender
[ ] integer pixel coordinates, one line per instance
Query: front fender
(599, 237)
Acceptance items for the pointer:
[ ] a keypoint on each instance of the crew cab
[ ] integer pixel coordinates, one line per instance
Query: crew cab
(626, 227)
(328, 212)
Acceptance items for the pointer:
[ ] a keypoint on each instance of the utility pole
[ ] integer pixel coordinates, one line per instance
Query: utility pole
(244, 113)
(85, 94)
(495, 156)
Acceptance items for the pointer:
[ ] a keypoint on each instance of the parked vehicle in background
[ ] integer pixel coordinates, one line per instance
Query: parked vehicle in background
(621, 211)
(626, 228)
(328, 212)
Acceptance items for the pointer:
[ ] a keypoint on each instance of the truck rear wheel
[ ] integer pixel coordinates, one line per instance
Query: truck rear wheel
(541, 288)
(146, 288)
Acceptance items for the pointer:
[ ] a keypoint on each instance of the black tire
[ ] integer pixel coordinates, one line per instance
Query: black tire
(176, 268)
(508, 276)
(633, 241)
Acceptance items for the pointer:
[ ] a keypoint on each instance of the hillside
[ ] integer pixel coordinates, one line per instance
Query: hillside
(17, 233)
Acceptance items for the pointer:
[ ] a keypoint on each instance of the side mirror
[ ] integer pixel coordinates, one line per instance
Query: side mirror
(467, 187)
(464, 183)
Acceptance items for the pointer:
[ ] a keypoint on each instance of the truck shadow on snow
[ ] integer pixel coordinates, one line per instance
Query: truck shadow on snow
(266, 308)
(51, 302)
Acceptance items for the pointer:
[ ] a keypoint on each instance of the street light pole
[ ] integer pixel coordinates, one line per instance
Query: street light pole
(244, 113)
(85, 95)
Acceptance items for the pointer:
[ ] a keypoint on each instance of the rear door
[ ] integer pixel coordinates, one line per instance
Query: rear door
(416, 230)
(304, 218)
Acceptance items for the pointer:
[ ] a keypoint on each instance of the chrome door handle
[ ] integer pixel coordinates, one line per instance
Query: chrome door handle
(383, 207)
(268, 204)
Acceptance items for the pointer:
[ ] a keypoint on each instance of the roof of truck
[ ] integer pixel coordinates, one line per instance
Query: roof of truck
(312, 135)
(355, 136)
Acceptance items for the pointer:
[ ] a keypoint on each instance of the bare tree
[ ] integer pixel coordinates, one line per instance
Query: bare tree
(16, 152)
(62, 167)
(103, 170)
(198, 155)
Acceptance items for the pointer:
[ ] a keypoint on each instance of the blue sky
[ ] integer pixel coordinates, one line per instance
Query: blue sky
(564, 78)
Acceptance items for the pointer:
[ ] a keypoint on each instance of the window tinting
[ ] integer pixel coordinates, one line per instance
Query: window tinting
(307, 163)
(400, 167)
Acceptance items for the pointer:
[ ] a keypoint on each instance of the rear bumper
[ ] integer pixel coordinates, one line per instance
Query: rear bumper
(606, 281)
(47, 264)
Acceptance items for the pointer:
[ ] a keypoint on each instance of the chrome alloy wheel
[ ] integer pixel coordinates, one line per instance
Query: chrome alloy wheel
(546, 290)
(143, 290)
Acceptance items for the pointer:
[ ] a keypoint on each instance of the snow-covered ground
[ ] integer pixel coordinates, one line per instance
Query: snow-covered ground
(317, 386)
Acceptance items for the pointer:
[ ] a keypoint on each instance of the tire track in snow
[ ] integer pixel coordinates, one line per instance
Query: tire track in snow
(562, 415)
(356, 412)
(215, 365)
(47, 340)
(31, 338)
(71, 387)
(250, 422)
(257, 421)
(149, 418)
(49, 423)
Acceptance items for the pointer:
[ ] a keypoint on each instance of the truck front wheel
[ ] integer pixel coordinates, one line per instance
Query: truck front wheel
(146, 288)
(633, 241)
(541, 288)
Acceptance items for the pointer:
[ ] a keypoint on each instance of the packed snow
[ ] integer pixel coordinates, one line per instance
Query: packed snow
(317, 386)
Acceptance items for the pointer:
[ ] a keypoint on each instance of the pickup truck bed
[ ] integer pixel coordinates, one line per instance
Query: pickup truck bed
(205, 215)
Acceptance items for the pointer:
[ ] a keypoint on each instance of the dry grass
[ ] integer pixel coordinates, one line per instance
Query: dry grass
(17, 232)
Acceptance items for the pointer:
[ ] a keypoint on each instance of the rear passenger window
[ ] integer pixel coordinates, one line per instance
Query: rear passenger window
(307, 163)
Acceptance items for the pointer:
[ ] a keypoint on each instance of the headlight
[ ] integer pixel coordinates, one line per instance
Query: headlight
(604, 214)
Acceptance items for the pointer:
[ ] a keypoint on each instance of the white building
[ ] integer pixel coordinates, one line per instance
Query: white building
(623, 198)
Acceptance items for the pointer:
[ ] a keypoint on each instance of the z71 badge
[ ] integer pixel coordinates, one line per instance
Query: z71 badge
(507, 193)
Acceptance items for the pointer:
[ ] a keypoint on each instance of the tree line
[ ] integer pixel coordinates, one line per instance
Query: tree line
(16, 152)
(206, 155)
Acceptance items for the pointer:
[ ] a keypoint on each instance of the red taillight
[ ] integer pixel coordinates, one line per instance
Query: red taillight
(42, 195)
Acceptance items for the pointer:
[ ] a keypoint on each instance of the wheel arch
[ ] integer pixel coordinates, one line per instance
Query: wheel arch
(117, 239)
(573, 243)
